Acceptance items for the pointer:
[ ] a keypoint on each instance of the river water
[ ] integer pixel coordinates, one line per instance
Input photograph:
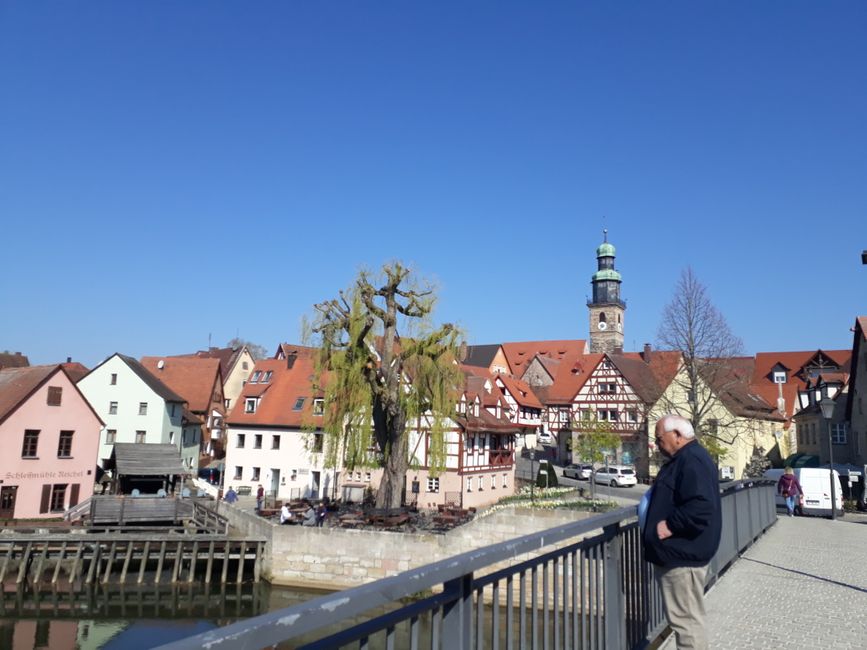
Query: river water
(114, 618)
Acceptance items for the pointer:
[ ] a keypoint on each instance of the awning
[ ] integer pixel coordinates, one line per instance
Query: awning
(135, 459)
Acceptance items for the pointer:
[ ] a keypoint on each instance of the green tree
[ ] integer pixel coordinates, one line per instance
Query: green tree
(384, 369)
(595, 440)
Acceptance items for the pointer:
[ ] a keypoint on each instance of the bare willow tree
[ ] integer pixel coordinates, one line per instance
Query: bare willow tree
(693, 326)
(385, 370)
(256, 351)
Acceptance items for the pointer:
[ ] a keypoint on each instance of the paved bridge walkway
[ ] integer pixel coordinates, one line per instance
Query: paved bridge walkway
(802, 585)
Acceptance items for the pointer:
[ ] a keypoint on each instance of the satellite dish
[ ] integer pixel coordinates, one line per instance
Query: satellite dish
(602, 326)
(161, 364)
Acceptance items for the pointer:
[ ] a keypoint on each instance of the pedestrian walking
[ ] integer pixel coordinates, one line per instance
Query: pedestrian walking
(682, 529)
(231, 496)
(790, 489)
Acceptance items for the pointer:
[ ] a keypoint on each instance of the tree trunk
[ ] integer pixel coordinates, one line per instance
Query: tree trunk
(391, 433)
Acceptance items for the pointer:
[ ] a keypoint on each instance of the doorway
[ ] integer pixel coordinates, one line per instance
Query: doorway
(275, 481)
(314, 485)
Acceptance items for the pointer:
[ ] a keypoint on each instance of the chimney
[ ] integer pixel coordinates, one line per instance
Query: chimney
(618, 349)
(646, 354)
(68, 359)
(290, 359)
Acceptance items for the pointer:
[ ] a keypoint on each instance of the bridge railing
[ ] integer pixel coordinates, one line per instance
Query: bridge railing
(579, 585)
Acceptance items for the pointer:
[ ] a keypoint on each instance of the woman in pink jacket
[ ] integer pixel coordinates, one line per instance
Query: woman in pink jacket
(791, 490)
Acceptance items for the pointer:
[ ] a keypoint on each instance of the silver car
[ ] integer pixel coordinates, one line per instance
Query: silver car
(582, 471)
(616, 476)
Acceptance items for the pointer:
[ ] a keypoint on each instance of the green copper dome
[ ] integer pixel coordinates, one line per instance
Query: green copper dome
(606, 274)
(605, 250)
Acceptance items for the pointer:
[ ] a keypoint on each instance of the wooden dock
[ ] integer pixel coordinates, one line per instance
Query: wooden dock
(129, 558)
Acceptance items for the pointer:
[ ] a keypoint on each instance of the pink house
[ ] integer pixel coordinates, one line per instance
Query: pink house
(49, 435)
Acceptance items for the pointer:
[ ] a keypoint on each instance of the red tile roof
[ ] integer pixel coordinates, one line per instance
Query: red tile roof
(520, 391)
(572, 374)
(762, 380)
(18, 384)
(16, 360)
(518, 355)
(227, 357)
(278, 397)
(75, 370)
(192, 378)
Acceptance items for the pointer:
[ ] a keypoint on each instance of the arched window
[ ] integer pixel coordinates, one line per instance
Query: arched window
(602, 317)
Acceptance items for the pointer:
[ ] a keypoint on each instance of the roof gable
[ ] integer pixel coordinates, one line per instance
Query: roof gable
(193, 378)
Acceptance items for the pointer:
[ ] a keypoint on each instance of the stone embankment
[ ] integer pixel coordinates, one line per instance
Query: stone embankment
(338, 558)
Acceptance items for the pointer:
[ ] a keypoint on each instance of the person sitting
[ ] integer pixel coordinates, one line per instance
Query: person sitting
(285, 514)
(309, 515)
(231, 496)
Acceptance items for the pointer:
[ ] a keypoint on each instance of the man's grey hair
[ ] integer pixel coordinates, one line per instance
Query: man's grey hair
(672, 422)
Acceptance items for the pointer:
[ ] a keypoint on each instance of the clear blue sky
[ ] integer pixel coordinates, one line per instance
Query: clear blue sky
(174, 170)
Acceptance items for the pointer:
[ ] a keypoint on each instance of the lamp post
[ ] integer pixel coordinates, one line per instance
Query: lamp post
(533, 475)
(827, 406)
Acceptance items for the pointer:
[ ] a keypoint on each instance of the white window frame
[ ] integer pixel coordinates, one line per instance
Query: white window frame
(433, 484)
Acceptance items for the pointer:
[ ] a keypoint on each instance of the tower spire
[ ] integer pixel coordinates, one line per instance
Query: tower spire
(606, 308)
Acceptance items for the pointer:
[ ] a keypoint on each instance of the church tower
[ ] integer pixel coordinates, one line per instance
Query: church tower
(606, 308)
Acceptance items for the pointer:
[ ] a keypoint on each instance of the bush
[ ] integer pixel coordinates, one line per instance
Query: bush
(545, 467)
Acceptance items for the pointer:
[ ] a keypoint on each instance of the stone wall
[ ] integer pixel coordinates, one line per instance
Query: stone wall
(338, 558)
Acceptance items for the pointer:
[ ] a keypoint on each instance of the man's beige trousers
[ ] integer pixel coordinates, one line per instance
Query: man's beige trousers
(683, 596)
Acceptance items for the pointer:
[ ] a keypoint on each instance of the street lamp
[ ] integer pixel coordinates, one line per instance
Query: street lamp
(533, 475)
(827, 406)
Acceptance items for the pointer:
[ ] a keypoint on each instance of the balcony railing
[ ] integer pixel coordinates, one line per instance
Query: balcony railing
(585, 585)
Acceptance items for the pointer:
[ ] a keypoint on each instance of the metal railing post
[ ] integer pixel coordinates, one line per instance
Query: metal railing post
(457, 615)
(613, 584)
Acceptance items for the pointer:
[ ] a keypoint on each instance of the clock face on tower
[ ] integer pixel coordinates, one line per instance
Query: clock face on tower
(602, 326)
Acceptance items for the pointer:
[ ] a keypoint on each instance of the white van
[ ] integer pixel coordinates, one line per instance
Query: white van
(816, 483)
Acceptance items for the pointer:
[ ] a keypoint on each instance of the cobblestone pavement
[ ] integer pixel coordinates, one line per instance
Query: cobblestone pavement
(802, 585)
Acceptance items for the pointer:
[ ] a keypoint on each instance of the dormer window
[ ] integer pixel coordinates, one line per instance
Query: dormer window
(256, 376)
(267, 377)
(779, 377)
(250, 405)
(318, 406)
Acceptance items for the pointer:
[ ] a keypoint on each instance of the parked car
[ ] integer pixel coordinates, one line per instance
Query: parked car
(544, 437)
(581, 471)
(616, 476)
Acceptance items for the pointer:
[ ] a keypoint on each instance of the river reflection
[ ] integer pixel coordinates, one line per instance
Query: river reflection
(129, 618)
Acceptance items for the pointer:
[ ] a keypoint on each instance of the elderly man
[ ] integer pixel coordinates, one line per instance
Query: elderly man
(682, 528)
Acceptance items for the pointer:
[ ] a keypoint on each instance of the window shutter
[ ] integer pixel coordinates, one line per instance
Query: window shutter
(73, 495)
(46, 497)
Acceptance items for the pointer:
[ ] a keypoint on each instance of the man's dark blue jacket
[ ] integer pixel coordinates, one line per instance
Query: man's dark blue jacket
(686, 495)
